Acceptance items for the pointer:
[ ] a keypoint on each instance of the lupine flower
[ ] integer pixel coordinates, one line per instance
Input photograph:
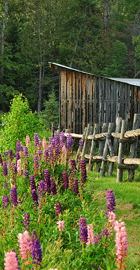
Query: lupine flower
(121, 244)
(58, 208)
(90, 235)
(32, 182)
(63, 153)
(26, 174)
(5, 171)
(60, 224)
(81, 144)
(35, 165)
(24, 240)
(62, 138)
(36, 139)
(36, 249)
(83, 172)
(11, 261)
(110, 201)
(105, 232)
(73, 165)
(69, 142)
(14, 196)
(34, 196)
(65, 179)
(41, 188)
(40, 154)
(10, 154)
(46, 154)
(53, 187)
(112, 218)
(25, 151)
(75, 187)
(97, 238)
(18, 146)
(83, 230)
(27, 141)
(6, 153)
(17, 156)
(5, 201)
(0, 159)
(19, 167)
(26, 221)
(47, 180)
(50, 151)
(44, 144)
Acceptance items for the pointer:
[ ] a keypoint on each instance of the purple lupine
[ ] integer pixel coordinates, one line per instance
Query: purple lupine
(62, 139)
(105, 232)
(83, 230)
(83, 172)
(25, 151)
(40, 154)
(81, 144)
(36, 139)
(17, 156)
(26, 221)
(26, 174)
(5, 171)
(15, 170)
(5, 201)
(10, 154)
(47, 180)
(57, 144)
(58, 209)
(41, 188)
(73, 165)
(34, 196)
(14, 196)
(53, 187)
(110, 201)
(6, 153)
(0, 159)
(97, 238)
(36, 249)
(50, 151)
(36, 165)
(69, 142)
(75, 187)
(46, 154)
(32, 182)
(18, 146)
(65, 179)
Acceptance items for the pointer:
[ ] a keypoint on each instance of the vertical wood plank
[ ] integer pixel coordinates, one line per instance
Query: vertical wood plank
(83, 101)
(76, 102)
(73, 85)
(93, 147)
(69, 100)
(80, 102)
(94, 99)
(90, 102)
(63, 100)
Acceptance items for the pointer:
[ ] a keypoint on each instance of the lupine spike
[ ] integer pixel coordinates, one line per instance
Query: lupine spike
(83, 230)
(36, 249)
(14, 196)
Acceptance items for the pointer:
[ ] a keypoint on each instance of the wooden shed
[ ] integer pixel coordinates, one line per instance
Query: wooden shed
(87, 98)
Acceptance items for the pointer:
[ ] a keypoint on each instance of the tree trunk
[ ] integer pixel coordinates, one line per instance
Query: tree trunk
(2, 40)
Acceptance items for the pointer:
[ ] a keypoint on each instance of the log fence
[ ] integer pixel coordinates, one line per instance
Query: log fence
(111, 146)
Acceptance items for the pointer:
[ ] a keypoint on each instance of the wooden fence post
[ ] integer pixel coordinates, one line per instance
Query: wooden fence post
(93, 147)
(105, 152)
(121, 151)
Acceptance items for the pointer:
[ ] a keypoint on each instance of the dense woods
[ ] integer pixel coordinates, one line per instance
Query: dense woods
(97, 36)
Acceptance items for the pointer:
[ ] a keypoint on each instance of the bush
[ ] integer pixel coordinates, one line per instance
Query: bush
(19, 122)
(50, 113)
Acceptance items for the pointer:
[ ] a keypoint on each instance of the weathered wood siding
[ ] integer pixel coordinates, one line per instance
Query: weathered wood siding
(89, 99)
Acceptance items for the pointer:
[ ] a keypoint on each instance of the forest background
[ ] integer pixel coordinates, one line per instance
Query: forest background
(98, 36)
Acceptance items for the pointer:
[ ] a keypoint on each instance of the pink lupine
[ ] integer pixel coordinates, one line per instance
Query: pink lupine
(24, 240)
(121, 244)
(27, 141)
(60, 224)
(90, 235)
(19, 167)
(11, 261)
(44, 144)
(111, 219)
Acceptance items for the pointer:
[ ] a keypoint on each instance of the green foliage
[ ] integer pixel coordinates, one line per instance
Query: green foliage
(118, 66)
(6, 94)
(19, 122)
(50, 113)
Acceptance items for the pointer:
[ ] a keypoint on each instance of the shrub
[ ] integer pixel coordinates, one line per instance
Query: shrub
(19, 122)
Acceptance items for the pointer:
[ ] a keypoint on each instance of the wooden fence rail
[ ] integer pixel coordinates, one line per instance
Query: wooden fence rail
(111, 147)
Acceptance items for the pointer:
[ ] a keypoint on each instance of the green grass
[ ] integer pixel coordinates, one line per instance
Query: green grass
(127, 197)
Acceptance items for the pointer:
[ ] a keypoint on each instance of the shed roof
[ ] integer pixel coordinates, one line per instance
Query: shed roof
(130, 81)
